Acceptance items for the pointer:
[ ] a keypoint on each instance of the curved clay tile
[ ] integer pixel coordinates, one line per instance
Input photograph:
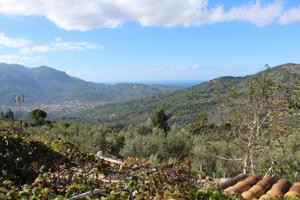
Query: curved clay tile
(277, 190)
(259, 189)
(253, 187)
(267, 182)
(294, 191)
(243, 185)
(232, 181)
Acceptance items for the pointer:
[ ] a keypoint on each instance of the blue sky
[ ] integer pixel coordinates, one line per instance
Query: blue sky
(150, 40)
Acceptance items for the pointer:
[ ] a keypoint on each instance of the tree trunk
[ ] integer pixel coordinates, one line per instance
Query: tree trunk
(251, 165)
(245, 165)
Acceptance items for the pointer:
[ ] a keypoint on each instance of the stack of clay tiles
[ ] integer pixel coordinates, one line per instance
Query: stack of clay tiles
(262, 188)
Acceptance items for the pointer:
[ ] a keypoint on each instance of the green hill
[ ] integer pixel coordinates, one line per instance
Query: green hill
(184, 105)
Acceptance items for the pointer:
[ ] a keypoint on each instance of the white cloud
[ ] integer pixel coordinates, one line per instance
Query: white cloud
(41, 48)
(10, 58)
(290, 16)
(59, 45)
(28, 51)
(27, 47)
(73, 46)
(257, 14)
(86, 15)
(12, 42)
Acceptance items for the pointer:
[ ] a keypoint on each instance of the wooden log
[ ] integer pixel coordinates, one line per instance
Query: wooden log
(232, 181)
(110, 160)
(87, 194)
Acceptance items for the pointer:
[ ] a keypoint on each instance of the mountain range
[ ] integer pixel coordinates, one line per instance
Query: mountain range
(45, 85)
(67, 97)
(184, 106)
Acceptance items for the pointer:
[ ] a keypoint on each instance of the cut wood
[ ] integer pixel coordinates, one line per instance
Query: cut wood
(86, 194)
(111, 160)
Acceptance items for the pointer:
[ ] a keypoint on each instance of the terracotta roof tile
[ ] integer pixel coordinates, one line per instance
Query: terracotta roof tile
(256, 187)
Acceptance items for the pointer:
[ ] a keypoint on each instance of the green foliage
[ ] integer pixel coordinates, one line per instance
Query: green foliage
(208, 153)
(35, 168)
(202, 126)
(210, 97)
(43, 171)
(97, 137)
(160, 119)
(213, 193)
(255, 120)
(294, 98)
(56, 161)
(257, 134)
(175, 144)
(38, 116)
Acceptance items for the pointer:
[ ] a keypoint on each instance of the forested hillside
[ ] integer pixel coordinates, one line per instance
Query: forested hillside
(184, 106)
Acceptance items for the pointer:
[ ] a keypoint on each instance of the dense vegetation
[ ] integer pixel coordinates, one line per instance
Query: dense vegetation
(183, 106)
(256, 131)
(212, 149)
(36, 167)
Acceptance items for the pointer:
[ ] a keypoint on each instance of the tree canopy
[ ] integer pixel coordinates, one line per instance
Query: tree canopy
(38, 116)
(160, 119)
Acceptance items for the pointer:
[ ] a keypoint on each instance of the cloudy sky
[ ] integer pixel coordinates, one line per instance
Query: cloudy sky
(150, 40)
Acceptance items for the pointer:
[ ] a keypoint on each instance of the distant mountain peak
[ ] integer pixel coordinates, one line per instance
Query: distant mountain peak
(47, 85)
(288, 66)
(46, 68)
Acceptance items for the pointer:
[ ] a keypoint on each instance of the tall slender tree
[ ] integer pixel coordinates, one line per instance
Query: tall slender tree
(253, 119)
